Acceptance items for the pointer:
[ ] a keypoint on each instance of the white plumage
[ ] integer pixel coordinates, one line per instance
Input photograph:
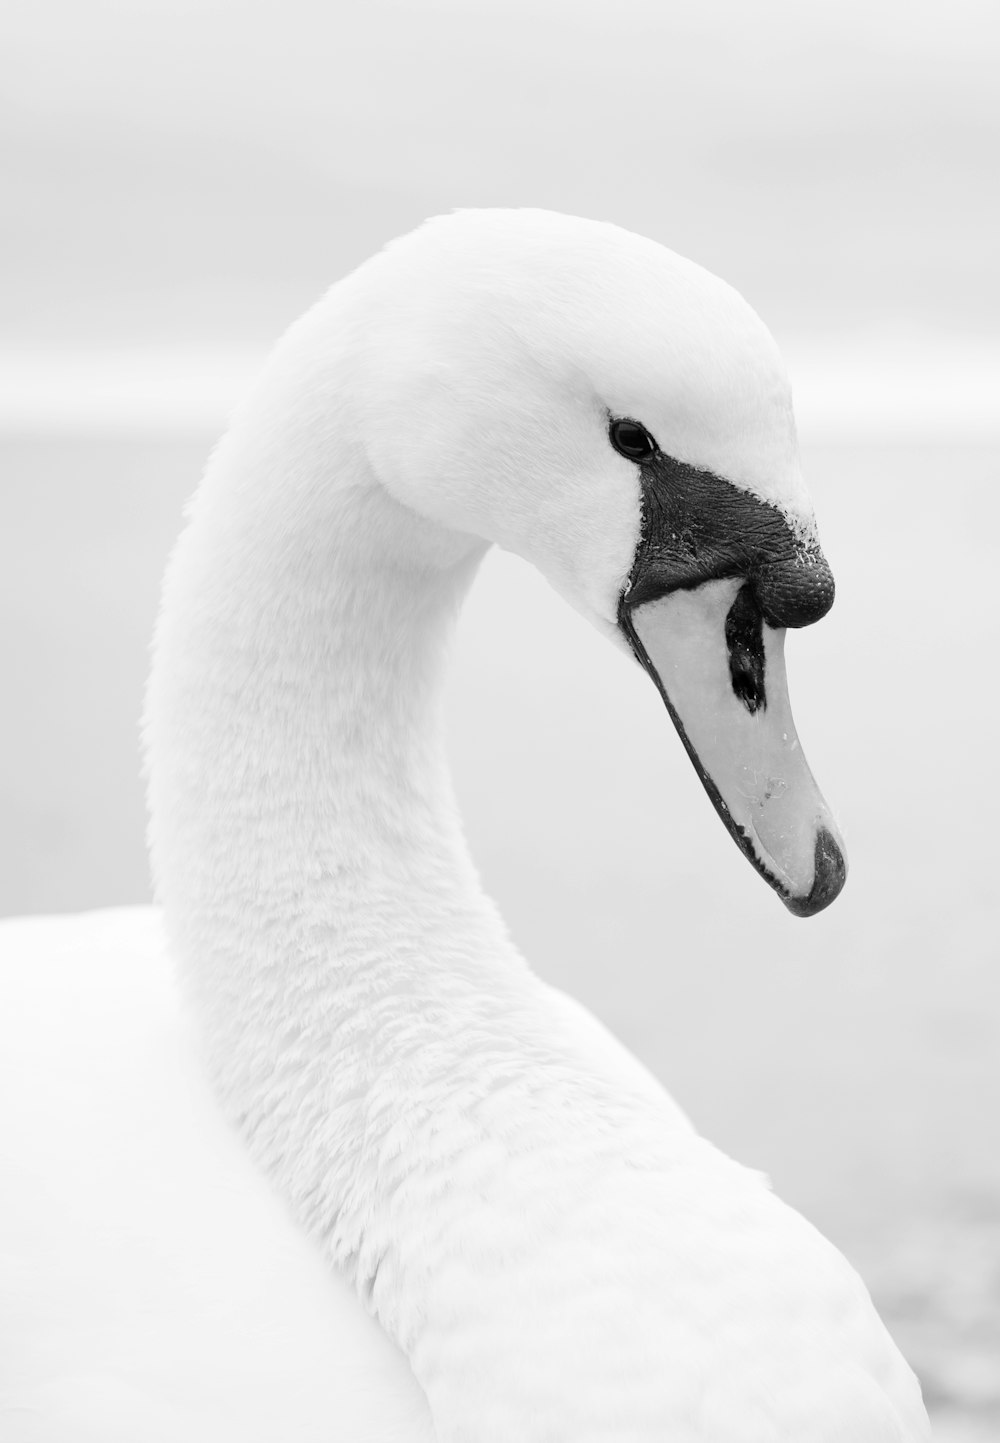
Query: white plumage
(550, 1250)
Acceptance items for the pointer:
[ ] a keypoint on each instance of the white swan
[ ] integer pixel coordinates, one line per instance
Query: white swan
(549, 1249)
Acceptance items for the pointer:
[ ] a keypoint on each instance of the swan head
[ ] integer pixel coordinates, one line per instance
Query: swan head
(621, 418)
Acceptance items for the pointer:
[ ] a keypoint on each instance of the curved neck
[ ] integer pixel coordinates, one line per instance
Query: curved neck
(301, 810)
(414, 1091)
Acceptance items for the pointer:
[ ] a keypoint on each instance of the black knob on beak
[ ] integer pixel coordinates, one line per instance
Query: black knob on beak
(796, 592)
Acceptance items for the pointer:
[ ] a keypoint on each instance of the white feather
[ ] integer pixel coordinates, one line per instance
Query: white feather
(419, 1128)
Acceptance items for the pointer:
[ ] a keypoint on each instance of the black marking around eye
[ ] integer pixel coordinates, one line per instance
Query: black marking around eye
(698, 527)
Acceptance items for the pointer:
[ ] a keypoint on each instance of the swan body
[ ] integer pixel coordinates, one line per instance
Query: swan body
(406, 1123)
(153, 1288)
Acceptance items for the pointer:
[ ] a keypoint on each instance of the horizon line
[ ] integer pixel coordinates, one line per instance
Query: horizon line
(841, 391)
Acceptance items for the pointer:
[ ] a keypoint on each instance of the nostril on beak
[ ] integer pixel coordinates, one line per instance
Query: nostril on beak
(745, 644)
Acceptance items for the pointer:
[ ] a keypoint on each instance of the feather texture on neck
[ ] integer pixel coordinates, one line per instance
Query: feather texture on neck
(531, 1219)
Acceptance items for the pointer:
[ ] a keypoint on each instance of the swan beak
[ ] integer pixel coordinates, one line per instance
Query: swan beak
(721, 671)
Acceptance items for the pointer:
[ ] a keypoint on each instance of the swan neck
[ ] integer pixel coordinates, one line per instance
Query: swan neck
(461, 1146)
(294, 718)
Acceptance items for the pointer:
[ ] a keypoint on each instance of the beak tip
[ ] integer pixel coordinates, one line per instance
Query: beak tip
(829, 876)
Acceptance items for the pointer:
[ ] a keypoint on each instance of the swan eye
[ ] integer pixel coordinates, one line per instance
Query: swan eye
(632, 440)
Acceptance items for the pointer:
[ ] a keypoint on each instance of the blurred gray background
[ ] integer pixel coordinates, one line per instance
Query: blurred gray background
(180, 179)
